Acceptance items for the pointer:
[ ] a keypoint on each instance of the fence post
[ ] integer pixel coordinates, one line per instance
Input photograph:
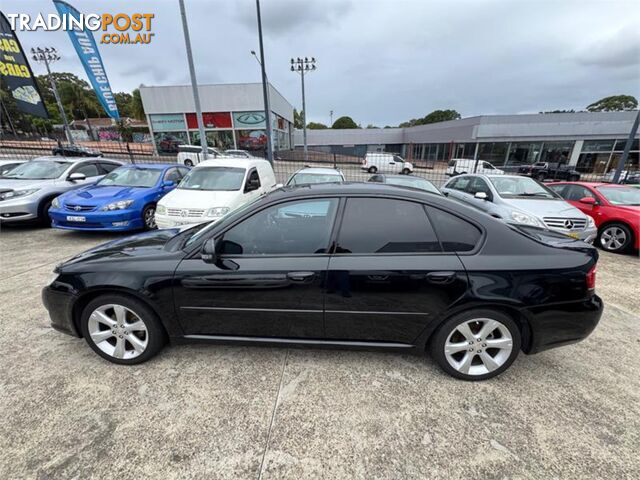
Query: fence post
(335, 161)
(131, 159)
(475, 157)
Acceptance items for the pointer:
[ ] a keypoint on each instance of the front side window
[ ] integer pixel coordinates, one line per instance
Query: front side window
(292, 228)
(514, 187)
(381, 225)
(213, 178)
(621, 195)
(253, 178)
(109, 167)
(172, 175)
(131, 177)
(461, 183)
(478, 185)
(38, 170)
(576, 193)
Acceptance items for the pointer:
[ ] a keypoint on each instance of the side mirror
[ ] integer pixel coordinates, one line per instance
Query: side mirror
(76, 177)
(481, 196)
(251, 186)
(168, 184)
(588, 201)
(278, 185)
(208, 252)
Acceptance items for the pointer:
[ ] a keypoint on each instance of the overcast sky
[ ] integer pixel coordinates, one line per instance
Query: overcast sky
(382, 61)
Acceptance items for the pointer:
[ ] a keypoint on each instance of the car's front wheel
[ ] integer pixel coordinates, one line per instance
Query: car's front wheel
(122, 329)
(615, 237)
(406, 171)
(476, 345)
(149, 217)
(188, 163)
(372, 170)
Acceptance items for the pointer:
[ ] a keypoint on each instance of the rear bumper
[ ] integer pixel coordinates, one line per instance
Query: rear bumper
(118, 220)
(562, 324)
(59, 304)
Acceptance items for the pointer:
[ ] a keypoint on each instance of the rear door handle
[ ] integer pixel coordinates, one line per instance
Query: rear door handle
(301, 277)
(441, 277)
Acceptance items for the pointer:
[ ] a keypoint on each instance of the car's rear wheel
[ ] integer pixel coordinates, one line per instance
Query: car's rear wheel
(372, 170)
(149, 217)
(615, 237)
(188, 163)
(406, 171)
(122, 329)
(476, 345)
(540, 176)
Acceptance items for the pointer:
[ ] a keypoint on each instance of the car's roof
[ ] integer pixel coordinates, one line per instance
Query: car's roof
(403, 176)
(151, 166)
(319, 170)
(231, 162)
(63, 159)
(15, 160)
(352, 188)
(591, 184)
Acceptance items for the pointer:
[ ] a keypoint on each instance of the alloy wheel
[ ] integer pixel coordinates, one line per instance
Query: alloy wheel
(150, 218)
(118, 331)
(613, 238)
(478, 346)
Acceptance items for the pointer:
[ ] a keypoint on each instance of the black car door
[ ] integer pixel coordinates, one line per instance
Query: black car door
(389, 276)
(267, 280)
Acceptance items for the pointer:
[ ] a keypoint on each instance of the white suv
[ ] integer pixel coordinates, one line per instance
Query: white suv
(190, 155)
(214, 188)
(386, 163)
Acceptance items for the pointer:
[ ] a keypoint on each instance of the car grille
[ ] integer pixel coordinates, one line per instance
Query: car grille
(184, 212)
(571, 224)
(80, 208)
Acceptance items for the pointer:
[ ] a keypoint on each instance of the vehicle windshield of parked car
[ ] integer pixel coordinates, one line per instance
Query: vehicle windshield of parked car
(213, 178)
(516, 187)
(38, 170)
(307, 178)
(621, 195)
(131, 177)
(413, 182)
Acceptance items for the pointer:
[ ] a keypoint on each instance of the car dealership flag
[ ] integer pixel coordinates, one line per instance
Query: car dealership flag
(16, 74)
(87, 50)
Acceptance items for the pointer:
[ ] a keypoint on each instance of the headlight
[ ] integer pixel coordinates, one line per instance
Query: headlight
(590, 222)
(121, 205)
(218, 211)
(161, 210)
(525, 219)
(17, 193)
(55, 203)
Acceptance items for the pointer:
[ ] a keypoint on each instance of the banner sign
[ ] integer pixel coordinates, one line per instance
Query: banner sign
(87, 50)
(249, 119)
(210, 120)
(167, 123)
(16, 74)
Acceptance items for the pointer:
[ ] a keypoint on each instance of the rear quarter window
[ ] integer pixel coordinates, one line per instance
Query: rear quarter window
(454, 233)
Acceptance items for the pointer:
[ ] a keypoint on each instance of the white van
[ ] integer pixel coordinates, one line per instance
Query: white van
(458, 166)
(214, 188)
(190, 155)
(386, 163)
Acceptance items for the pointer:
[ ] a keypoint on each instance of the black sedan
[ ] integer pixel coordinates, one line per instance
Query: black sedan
(410, 181)
(75, 151)
(348, 265)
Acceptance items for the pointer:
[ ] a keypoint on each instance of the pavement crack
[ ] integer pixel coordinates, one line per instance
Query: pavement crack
(273, 415)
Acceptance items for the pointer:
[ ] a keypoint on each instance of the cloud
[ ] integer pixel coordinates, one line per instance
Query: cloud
(618, 50)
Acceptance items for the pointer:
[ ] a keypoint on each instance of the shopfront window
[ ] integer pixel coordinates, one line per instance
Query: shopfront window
(556, 152)
(251, 140)
(524, 153)
(167, 142)
(495, 152)
(220, 139)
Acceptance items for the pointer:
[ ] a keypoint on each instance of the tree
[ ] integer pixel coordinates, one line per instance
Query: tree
(370, 126)
(433, 117)
(316, 126)
(124, 102)
(344, 122)
(297, 119)
(614, 103)
(137, 108)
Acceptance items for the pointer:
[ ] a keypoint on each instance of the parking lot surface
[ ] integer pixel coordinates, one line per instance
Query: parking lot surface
(248, 412)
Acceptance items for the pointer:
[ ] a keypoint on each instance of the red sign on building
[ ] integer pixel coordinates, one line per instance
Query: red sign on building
(210, 119)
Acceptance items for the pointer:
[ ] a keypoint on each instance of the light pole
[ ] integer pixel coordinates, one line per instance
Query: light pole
(194, 81)
(253, 52)
(48, 56)
(265, 90)
(302, 66)
(330, 118)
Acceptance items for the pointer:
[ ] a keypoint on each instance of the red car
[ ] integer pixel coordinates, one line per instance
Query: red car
(615, 209)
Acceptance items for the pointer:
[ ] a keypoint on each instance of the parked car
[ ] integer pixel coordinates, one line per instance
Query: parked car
(550, 171)
(310, 175)
(460, 166)
(238, 154)
(124, 199)
(385, 163)
(75, 151)
(190, 155)
(406, 181)
(521, 200)
(378, 266)
(26, 192)
(214, 188)
(169, 143)
(626, 177)
(614, 208)
(7, 165)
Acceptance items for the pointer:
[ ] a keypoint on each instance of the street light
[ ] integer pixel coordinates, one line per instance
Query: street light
(49, 56)
(303, 66)
(265, 89)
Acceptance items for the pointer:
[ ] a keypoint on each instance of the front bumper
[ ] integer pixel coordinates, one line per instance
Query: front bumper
(587, 235)
(166, 221)
(113, 221)
(59, 304)
(19, 210)
(562, 324)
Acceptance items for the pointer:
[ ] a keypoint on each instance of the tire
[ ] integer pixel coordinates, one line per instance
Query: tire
(540, 177)
(476, 360)
(148, 217)
(43, 213)
(372, 170)
(406, 171)
(138, 321)
(188, 163)
(615, 237)
(574, 178)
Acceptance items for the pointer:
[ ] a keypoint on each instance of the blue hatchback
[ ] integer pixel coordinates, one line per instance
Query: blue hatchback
(125, 199)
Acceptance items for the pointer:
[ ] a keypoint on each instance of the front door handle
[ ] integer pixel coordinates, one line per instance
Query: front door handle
(301, 277)
(441, 278)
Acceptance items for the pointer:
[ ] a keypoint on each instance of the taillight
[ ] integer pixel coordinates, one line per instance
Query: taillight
(591, 279)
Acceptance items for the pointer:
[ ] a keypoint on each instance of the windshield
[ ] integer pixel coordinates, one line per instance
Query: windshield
(38, 170)
(621, 195)
(306, 178)
(520, 187)
(413, 182)
(213, 178)
(131, 177)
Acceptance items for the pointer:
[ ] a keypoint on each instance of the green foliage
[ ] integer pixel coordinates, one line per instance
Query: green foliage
(434, 117)
(344, 122)
(137, 109)
(125, 131)
(124, 103)
(614, 103)
(316, 126)
(298, 121)
(370, 126)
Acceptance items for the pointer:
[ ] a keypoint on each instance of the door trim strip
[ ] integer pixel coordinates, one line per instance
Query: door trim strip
(293, 310)
(344, 343)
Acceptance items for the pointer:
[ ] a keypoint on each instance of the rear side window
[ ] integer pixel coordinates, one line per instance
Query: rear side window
(455, 234)
(381, 225)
